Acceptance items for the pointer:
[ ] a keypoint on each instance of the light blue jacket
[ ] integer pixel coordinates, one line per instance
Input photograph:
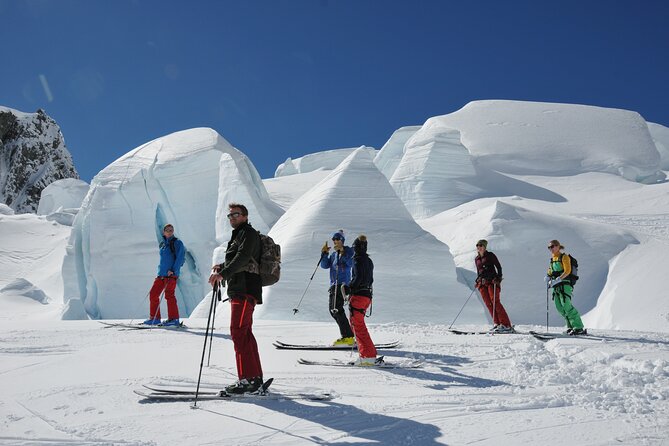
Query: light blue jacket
(171, 261)
(340, 266)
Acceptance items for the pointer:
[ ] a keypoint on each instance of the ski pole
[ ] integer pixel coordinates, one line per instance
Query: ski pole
(213, 324)
(295, 310)
(547, 288)
(204, 347)
(463, 307)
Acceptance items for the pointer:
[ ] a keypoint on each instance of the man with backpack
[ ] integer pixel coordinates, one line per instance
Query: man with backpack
(244, 284)
(562, 278)
(172, 256)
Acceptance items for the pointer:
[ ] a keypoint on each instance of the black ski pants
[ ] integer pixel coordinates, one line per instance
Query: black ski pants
(337, 312)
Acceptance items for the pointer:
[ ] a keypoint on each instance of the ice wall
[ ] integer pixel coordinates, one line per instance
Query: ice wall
(113, 249)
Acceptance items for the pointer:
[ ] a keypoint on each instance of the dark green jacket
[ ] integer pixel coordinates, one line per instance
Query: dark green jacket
(242, 247)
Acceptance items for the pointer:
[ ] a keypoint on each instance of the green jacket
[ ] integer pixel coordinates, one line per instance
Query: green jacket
(242, 247)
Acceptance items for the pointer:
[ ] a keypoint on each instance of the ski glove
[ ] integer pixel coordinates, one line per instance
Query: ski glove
(554, 282)
(547, 279)
(325, 249)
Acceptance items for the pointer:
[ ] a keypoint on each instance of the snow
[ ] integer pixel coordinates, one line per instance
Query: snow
(327, 159)
(660, 135)
(6, 210)
(458, 157)
(116, 233)
(68, 193)
(357, 197)
(71, 383)
(422, 200)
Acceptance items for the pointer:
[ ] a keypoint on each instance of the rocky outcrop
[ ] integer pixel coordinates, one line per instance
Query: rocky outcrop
(32, 156)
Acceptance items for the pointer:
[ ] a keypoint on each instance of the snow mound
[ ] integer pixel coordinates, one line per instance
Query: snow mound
(113, 250)
(388, 158)
(6, 210)
(553, 139)
(327, 160)
(22, 287)
(68, 193)
(660, 135)
(437, 173)
(519, 238)
(285, 190)
(620, 304)
(358, 198)
(240, 183)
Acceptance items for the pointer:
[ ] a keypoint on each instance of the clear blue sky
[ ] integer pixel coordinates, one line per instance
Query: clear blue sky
(286, 78)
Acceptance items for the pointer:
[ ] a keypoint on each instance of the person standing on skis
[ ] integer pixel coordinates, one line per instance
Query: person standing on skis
(361, 298)
(172, 256)
(559, 278)
(245, 292)
(488, 282)
(339, 263)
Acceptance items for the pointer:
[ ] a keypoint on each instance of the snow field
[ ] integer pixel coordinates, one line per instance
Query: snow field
(72, 382)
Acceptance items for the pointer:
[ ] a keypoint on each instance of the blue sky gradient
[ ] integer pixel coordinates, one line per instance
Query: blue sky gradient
(287, 78)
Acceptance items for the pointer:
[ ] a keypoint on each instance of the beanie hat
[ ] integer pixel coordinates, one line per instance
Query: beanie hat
(339, 235)
(360, 244)
(483, 242)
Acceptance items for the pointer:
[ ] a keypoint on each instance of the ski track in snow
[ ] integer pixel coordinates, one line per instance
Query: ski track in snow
(602, 391)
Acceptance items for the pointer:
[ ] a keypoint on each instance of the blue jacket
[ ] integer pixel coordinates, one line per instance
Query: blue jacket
(169, 261)
(340, 268)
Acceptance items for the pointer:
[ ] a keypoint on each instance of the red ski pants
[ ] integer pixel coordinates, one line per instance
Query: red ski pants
(358, 306)
(488, 290)
(241, 330)
(169, 284)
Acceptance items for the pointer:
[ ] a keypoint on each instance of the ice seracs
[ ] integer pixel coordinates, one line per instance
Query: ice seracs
(413, 272)
(464, 155)
(518, 237)
(113, 248)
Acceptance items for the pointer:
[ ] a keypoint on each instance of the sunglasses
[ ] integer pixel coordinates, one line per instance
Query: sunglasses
(552, 246)
(168, 230)
(234, 215)
(478, 245)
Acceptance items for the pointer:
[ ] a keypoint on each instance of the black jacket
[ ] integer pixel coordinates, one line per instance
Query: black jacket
(362, 275)
(243, 245)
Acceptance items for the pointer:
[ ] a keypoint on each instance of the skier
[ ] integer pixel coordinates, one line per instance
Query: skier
(558, 278)
(361, 299)
(339, 263)
(489, 282)
(172, 256)
(245, 292)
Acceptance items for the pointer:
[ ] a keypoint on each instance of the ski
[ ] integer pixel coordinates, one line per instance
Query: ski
(549, 336)
(489, 332)
(466, 332)
(411, 364)
(181, 393)
(284, 346)
(140, 326)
